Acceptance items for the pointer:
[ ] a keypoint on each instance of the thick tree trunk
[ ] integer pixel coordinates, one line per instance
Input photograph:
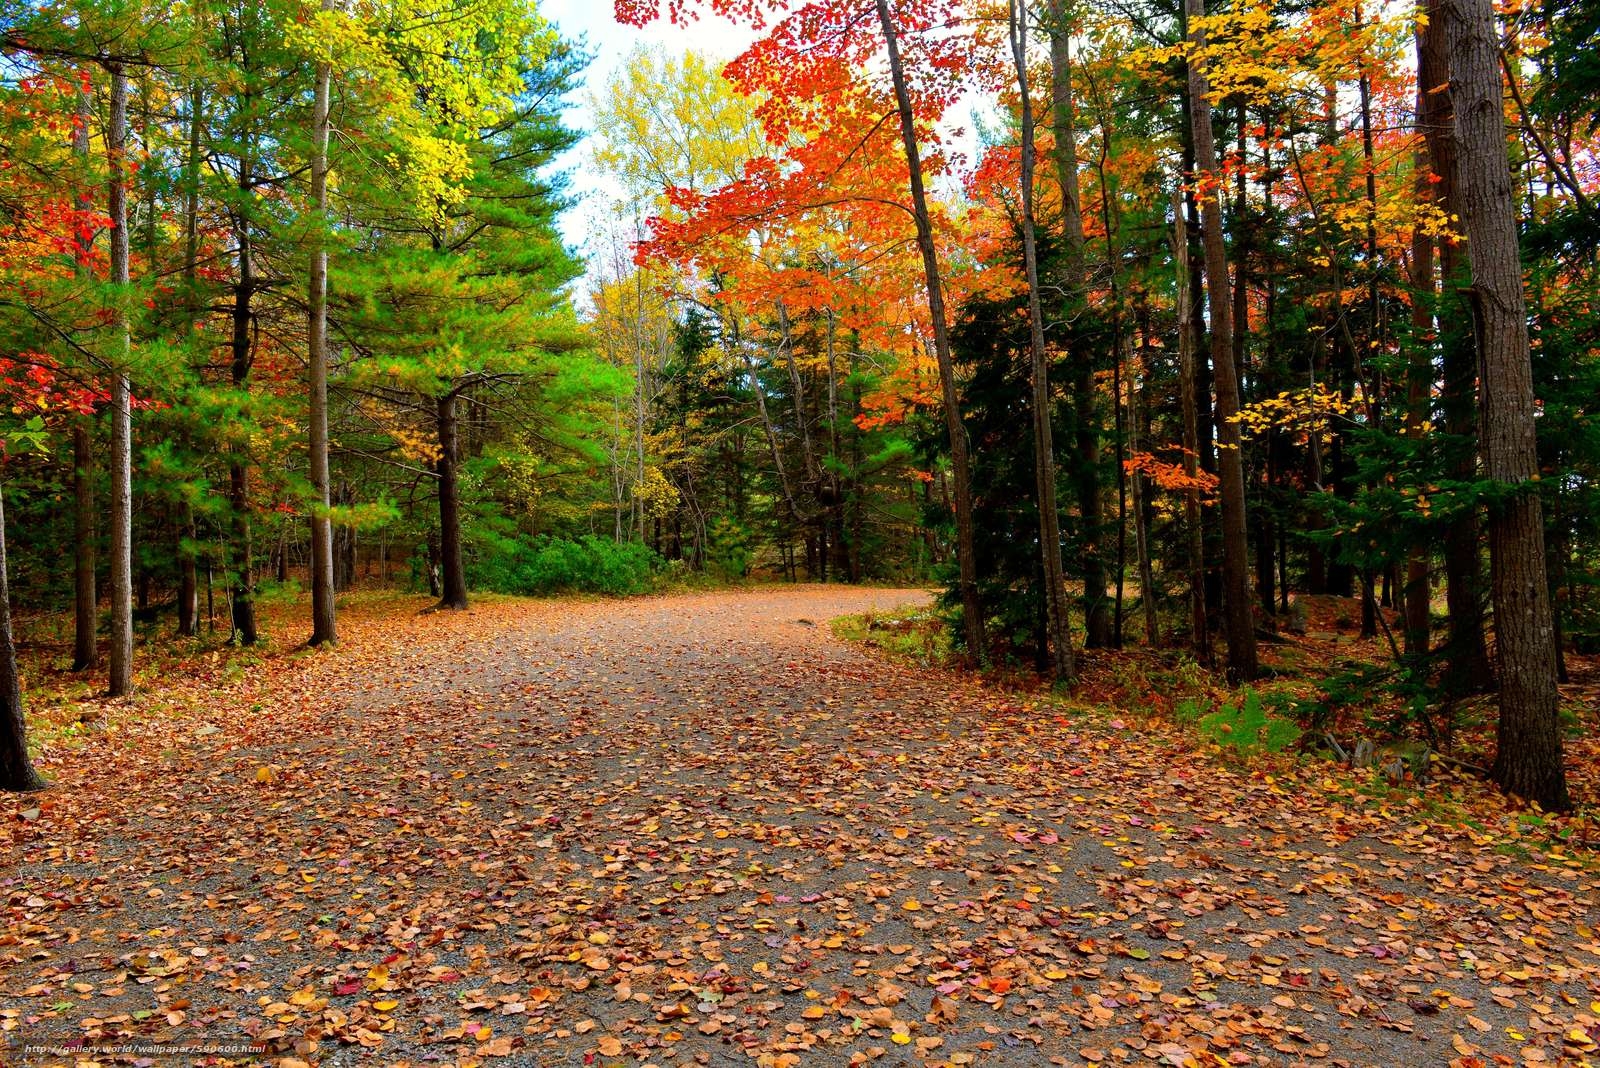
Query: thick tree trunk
(121, 645)
(16, 768)
(1237, 611)
(1052, 573)
(1467, 650)
(1097, 608)
(453, 577)
(960, 467)
(324, 620)
(1529, 758)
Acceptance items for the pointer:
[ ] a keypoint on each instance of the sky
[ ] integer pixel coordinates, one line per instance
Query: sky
(610, 43)
(594, 23)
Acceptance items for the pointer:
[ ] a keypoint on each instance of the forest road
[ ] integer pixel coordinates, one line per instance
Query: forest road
(699, 829)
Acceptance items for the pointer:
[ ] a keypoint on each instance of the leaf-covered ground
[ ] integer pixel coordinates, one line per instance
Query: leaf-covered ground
(700, 830)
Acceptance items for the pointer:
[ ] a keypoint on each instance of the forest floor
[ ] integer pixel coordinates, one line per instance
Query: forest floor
(702, 830)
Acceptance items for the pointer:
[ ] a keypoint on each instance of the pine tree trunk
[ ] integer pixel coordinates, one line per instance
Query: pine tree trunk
(188, 587)
(1468, 653)
(1417, 593)
(453, 574)
(960, 467)
(1141, 519)
(1238, 615)
(1528, 762)
(85, 598)
(1188, 389)
(188, 577)
(16, 768)
(1098, 631)
(121, 646)
(324, 620)
(85, 603)
(1052, 572)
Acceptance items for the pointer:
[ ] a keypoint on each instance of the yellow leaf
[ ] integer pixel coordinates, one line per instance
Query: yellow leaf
(384, 1006)
(911, 905)
(265, 774)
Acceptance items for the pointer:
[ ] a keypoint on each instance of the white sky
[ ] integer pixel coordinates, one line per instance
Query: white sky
(593, 22)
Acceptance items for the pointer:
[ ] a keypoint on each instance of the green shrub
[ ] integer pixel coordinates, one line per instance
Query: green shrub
(728, 552)
(1247, 726)
(543, 565)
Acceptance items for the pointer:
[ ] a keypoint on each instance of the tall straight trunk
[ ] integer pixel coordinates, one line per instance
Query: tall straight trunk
(1238, 616)
(16, 767)
(453, 577)
(1374, 391)
(1188, 390)
(242, 607)
(1052, 572)
(960, 467)
(324, 619)
(1141, 521)
(1528, 761)
(188, 579)
(121, 647)
(85, 599)
(1097, 613)
(1467, 650)
(85, 603)
(1419, 371)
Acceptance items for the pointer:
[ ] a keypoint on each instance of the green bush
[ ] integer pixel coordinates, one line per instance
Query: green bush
(543, 565)
(728, 552)
(1247, 726)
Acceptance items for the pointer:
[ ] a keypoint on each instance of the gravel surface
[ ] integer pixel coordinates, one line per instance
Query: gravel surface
(699, 829)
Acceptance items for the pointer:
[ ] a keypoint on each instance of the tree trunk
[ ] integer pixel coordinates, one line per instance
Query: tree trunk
(1468, 652)
(971, 605)
(1052, 573)
(188, 579)
(1237, 611)
(16, 768)
(121, 648)
(1188, 388)
(188, 584)
(242, 608)
(1141, 520)
(453, 576)
(85, 603)
(85, 600)
(1097, 614)
(1528, 762)
(1419, 372)
(324, 619)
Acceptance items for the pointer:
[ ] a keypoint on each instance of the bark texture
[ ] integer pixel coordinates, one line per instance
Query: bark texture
(1528, 762)
(324, 622)
(121, 644)
(1238, 616)
(1044, 460)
